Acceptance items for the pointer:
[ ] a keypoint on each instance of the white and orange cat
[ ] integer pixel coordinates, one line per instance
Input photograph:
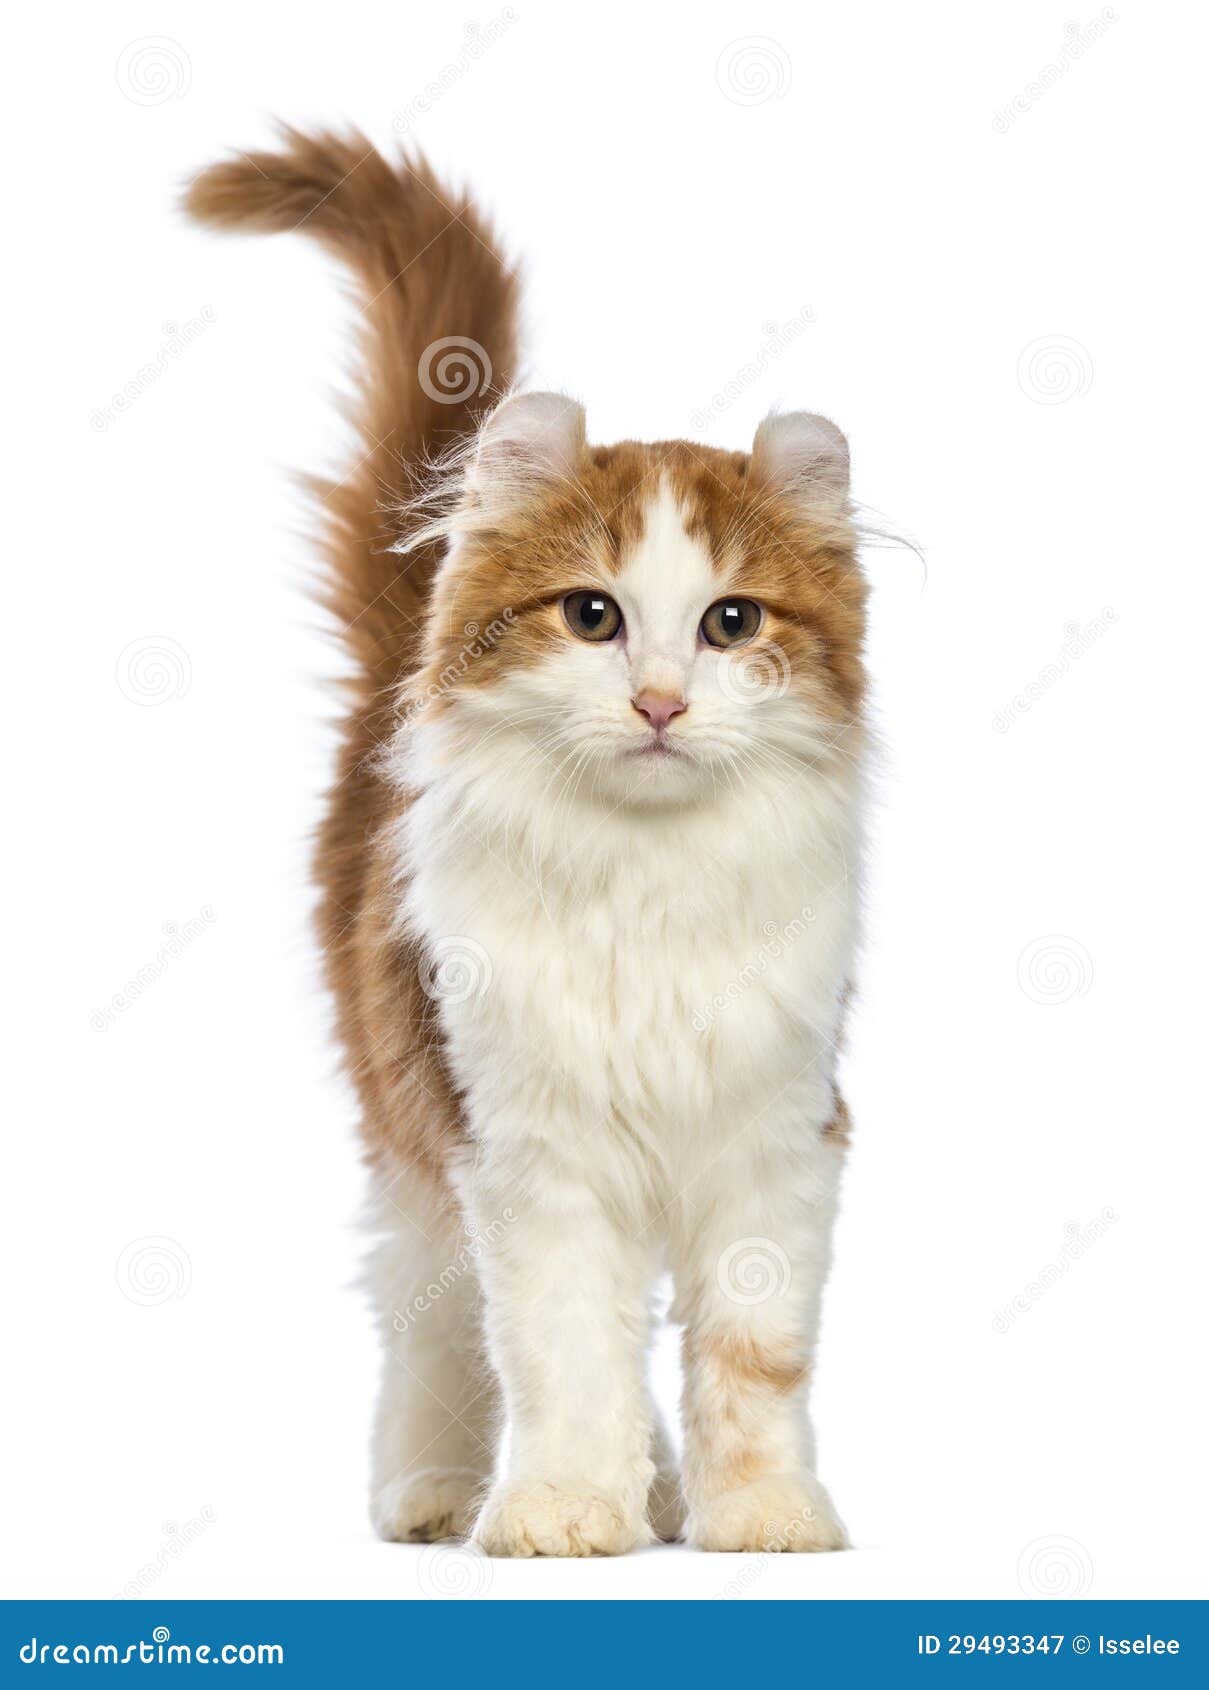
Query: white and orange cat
(590, 884)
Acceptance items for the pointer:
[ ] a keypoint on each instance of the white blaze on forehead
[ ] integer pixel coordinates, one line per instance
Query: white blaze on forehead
(664, 588)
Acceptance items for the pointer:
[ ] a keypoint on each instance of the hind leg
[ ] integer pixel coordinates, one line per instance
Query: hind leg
(435, 1428)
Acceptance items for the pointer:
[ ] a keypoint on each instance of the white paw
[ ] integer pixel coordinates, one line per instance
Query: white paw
(786, 1513)
(424, 1507)
(535, 1518)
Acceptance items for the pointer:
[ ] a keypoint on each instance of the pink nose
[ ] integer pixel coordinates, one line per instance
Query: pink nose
(658, 707)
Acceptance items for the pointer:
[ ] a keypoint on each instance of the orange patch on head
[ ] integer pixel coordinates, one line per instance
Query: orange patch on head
(512, 560)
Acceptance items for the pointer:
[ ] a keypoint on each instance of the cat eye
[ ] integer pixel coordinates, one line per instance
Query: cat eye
(731, 622)
(592, 616)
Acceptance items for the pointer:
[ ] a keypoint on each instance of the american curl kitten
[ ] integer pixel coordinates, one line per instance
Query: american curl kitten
(589, 903)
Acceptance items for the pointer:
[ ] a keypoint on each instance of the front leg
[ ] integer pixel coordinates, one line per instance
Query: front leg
(567, 1319)
(753, 1251)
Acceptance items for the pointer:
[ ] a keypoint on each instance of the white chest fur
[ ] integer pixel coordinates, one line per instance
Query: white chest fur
(659, 972)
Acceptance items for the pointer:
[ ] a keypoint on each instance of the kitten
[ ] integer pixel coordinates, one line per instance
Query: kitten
(589, 897)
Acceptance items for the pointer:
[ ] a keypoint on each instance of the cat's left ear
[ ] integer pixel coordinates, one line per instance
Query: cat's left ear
(800, 453)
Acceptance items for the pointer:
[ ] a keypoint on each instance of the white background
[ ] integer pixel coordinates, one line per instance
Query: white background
(1027, 1057)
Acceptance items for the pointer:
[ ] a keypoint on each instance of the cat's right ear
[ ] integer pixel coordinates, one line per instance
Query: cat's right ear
(528, 440)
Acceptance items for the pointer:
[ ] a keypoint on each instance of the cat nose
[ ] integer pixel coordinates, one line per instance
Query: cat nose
(658, 707)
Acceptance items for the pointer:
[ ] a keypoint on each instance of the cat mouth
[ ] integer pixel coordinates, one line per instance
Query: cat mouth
(656, 746)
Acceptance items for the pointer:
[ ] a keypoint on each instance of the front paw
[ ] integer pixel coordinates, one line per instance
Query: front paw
(425, 1507)
(785, 1513)
(535, 1518)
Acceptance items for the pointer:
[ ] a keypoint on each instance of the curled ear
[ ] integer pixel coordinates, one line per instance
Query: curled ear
(530, 438)
(801, 453)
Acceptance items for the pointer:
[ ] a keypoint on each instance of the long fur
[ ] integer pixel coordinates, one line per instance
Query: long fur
(590, 972)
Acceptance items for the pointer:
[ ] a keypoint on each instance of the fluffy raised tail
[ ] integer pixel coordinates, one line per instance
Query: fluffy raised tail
(439, 309)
